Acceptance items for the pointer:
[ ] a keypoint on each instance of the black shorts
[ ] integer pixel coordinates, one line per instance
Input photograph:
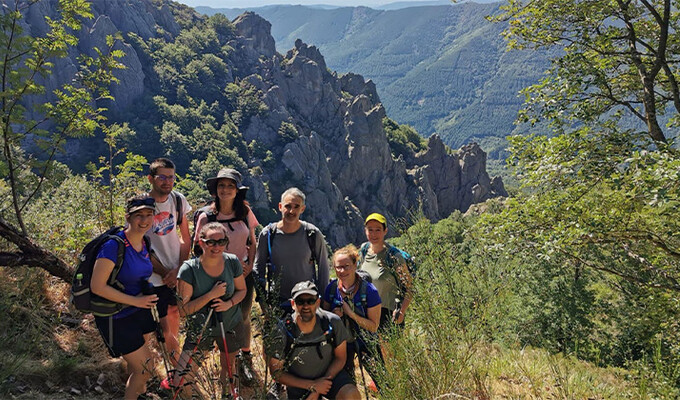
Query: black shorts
(128, 332)
(340, 380)
(166, 297)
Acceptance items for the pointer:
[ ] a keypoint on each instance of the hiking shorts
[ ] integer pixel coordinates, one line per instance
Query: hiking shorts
(166, 297)
(128, 332)
(235, 340)
(340, 380)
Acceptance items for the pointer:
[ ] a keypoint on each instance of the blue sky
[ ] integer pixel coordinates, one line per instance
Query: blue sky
(258, 3)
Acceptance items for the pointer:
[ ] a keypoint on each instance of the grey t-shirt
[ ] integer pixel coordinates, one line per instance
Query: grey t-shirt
(291, 257)
(305, 360)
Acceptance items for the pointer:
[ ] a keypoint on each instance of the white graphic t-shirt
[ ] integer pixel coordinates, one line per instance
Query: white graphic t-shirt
(164, 234)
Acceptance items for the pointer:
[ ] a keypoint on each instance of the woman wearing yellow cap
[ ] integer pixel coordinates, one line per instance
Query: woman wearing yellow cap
(388, 271)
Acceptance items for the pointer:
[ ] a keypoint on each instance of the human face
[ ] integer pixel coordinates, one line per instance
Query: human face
(141, 220)
(226, 189)
(215, 250)
(163, 182)
(305, 310)
(291, 208)
(344, 267)
(375, 232)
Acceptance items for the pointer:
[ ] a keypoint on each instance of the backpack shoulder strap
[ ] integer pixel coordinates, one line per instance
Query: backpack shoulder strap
(179, 207)
(310, 233)
(120, 257)
(334, 291)
(362, 296)
(362, 252)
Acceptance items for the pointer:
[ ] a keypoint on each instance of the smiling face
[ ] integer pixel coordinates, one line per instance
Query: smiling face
(375, 232)
(163, 181)
(141, 221)
(291, 208)
(226, 189)
(213, 243)
(305, 305)
(344, 267)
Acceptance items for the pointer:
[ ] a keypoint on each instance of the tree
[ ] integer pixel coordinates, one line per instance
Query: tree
(24, 60)
(617, 57)
(600, 189)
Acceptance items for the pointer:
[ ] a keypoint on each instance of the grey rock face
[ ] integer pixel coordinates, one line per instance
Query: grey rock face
(339, 155)
(342, 160)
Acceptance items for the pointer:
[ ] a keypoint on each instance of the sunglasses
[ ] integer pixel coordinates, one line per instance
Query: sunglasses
(305, 301)
(165, 177)
(215, 242)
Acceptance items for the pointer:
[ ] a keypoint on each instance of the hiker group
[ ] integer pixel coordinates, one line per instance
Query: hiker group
(140, 280)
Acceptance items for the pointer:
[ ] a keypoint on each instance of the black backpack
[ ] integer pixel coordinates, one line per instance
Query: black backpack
(292, 337)
(212, 217)
(81, 296)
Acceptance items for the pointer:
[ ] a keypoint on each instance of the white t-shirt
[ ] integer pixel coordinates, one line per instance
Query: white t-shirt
(164, 234)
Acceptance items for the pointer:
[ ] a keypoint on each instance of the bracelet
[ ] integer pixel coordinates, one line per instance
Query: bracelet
(312, 388)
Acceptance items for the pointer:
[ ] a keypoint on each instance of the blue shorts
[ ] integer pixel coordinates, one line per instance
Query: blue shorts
(340, 380)
(127, 333)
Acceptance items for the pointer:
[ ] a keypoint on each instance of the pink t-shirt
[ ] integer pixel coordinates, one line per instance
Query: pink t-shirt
(238, 236)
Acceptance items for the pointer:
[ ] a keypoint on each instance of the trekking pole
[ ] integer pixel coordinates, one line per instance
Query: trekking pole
(147, 290)
(198, 341)
(361, 365)
(232, 387)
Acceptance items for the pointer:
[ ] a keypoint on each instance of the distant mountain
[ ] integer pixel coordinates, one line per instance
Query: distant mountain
(442, 69)
(209, 92)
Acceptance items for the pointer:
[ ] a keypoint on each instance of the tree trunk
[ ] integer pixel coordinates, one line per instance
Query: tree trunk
(31, 255)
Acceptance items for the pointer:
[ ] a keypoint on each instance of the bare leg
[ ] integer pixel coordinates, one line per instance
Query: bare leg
(170, 326)
(348, 392)
(140, 365)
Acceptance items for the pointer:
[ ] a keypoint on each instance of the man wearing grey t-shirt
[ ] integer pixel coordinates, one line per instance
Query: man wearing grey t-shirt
(291, 251)
(309, 350)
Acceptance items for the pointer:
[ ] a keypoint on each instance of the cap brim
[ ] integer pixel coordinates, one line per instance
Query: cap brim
(306, 291)
(137, 208)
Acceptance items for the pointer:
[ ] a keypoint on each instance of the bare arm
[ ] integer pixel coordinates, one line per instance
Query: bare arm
(100, 275)
(371, 323)
(184, 241)
(239, 294)
(185, 291)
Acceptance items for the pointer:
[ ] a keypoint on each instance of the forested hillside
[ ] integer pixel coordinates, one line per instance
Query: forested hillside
(441, 69)
(567, 289)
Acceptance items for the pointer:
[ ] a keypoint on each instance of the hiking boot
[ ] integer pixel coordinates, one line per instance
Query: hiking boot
(245, 369)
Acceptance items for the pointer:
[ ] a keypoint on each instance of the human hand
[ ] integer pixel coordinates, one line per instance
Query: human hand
(338, 311)
(247, 267)
(322, 385)
(220, 305)
(219, 290)
(346, 309)
(170, 278)
(146, 301)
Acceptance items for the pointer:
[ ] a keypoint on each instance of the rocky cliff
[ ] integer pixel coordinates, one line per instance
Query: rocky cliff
(340, 156)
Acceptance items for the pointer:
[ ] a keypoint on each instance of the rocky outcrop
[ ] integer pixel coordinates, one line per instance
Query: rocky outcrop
(339, 156)
(342, 158)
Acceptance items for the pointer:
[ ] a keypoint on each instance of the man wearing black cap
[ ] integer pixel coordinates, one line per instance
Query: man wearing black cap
(309, 352)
